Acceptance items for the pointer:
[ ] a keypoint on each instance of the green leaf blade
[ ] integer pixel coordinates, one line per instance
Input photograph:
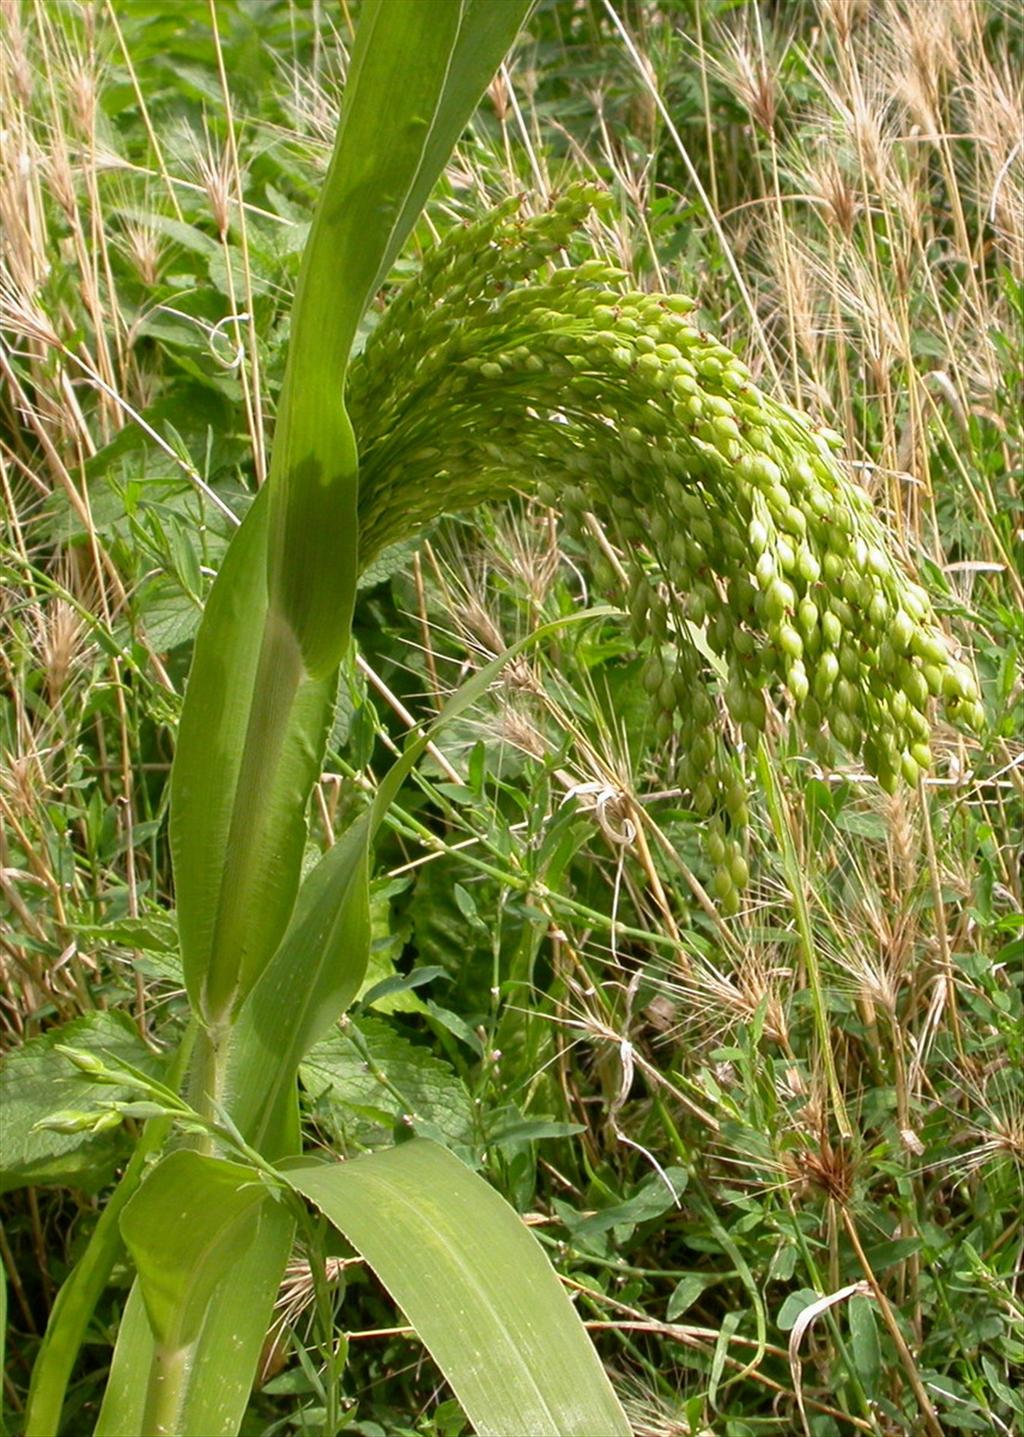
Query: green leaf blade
(476, 1286)
(209, 1245)
(321, 962)
(424, 67)
(249, 750)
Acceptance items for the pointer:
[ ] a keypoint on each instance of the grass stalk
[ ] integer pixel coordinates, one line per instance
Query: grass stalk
(924, 1402)
(781, 821)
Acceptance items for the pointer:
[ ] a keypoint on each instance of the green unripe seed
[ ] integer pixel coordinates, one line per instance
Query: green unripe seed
(653, 673)
(739, 870)
(765, 568)
(735, 797)
(796, 680)
(918, 726)
(928, 645)
(849, 663)
(807, 566)
(889, 780)
(831, 629)
(722, 883)
(779, 599)
(832, 566)
(953, 685)
(902, 631)
(790, 641)
(878, 609)
(826, 673)
(910, 769)
(807, 617)
(730, 904)
(703, 798)
(848, 696)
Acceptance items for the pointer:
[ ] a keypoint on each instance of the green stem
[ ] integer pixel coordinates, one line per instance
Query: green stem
(206, 1079)
(795, 883)
(168, 1375)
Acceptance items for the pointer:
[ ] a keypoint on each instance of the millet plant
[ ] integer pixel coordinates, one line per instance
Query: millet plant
(761, 584)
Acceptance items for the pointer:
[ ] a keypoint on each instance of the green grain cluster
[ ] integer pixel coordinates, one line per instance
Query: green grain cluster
(760, 578)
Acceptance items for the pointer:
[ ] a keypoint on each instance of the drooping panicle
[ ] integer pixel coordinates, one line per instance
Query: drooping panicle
(760, 575)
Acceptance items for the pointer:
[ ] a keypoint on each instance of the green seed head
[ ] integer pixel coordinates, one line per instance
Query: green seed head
(491, 373)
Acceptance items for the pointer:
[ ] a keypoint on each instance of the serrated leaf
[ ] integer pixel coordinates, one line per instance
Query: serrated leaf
(36, 1081)
(336, 1070)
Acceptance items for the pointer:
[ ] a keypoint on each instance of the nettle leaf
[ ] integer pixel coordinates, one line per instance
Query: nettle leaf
(341, 1076)
(36, 1082)
(655, 1196)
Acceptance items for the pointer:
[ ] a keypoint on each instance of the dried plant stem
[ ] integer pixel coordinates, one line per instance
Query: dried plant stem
(931, 1420)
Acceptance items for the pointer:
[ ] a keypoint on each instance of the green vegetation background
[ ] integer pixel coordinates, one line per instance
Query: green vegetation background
(553, 993)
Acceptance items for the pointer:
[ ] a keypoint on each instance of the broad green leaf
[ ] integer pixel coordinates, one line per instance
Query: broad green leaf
(312, 977)
(475, 1285)
(415, 76)
(209, 1243)
(227, 1351)
(235, 1329)
(36, 1081)
(341, 1070)
(249, 750)
(124, 1398)
(262, 679)
(185, 1228)
(864, 1343)
(319, 967)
